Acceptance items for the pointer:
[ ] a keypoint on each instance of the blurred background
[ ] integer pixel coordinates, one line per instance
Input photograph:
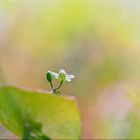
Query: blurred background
(97, 41)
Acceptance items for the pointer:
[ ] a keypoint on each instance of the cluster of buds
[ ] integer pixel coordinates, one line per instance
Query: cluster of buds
(61, 76)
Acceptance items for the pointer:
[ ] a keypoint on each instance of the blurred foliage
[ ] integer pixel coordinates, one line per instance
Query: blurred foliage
(97, 41)
(24, 112)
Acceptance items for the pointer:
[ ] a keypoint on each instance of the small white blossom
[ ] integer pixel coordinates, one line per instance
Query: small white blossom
(62, 75)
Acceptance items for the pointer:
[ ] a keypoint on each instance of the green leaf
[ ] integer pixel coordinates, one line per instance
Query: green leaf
(56, 116)
(133, 116)
(133, 120)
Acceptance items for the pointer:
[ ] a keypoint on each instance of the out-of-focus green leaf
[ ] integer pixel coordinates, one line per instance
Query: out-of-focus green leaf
(58, 116)
(133, 117)
(134, 126)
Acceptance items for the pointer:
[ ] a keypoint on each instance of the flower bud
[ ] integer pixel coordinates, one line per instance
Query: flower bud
(62, 77)
(49, 77)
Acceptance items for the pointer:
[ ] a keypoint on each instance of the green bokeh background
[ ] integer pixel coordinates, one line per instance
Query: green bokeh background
(97, 41)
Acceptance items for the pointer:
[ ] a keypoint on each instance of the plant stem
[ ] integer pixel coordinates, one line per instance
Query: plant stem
(51, 85)
(27, 132)
(58, 86)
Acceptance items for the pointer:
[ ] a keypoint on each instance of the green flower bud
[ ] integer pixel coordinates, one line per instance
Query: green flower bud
(49, 77)
(62, 77)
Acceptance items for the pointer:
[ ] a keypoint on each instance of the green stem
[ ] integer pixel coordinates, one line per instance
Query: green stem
(51, 85)
(58, 86)
(27, 132)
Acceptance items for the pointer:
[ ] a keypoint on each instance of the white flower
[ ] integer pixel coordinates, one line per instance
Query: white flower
(62, 75)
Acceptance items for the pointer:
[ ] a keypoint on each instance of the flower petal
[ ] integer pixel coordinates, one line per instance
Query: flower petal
(54, 74)
(71, 76)
(62, 71)
(68, 79)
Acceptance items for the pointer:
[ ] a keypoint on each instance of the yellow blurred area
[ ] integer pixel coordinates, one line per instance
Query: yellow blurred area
(97, 41)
